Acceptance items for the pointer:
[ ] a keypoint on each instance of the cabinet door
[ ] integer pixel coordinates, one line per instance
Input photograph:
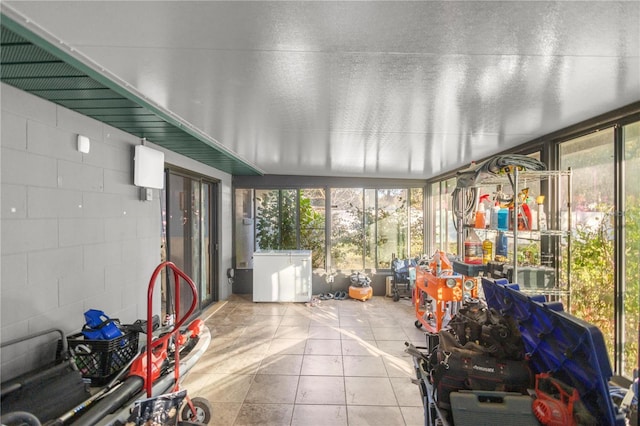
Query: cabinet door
(282, 277)
(303, 278)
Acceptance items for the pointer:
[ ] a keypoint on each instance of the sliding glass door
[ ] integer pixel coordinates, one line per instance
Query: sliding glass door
(191, 237)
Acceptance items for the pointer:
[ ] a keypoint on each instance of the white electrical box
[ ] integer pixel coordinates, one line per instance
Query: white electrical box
(148, 168)
(282, 276)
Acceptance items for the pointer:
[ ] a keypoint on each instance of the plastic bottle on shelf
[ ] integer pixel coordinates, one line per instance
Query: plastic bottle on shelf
(542, 216)
(473, 248)
(487, 251)
(487, 219)
(503, 219)
(480, 220)
(501, 246)
(524, 218)
(493, 216)
(534, 214)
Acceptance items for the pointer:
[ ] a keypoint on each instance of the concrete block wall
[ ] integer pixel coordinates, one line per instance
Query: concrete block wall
(74, 233)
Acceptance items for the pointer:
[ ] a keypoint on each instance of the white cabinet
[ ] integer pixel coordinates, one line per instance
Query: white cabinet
(282, 276)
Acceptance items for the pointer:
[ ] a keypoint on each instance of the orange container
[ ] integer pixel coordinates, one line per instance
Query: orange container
(360, 293)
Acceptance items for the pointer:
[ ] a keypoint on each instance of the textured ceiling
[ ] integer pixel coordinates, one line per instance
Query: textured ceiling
(382, 89)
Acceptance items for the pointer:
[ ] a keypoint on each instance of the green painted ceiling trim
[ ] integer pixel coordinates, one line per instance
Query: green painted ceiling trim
(76, 85)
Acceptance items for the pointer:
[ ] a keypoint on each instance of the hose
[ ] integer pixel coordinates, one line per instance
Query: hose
(468, 178)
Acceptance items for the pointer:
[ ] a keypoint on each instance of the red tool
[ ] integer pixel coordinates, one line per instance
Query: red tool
(554, 405)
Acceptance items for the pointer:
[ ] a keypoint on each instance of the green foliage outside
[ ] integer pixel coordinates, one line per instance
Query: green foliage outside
(384, 233)
(416, 223)
(592, 279)
(277, 224)
(632, 285)
(349, 237)
(312, 232)
(361, 235)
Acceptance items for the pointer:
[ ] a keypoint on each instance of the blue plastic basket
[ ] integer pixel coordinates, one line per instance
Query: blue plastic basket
(570, 349)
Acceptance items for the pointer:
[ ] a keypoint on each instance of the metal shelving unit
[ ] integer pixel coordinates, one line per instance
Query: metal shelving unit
(553, 244)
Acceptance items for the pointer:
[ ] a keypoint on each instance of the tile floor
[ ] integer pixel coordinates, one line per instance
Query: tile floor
(341, 362)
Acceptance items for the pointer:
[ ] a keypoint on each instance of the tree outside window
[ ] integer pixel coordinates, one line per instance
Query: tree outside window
(367, 226)
(592, 247)
(281, 214)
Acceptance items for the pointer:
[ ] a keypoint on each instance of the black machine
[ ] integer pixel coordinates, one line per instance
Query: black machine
(401, 284)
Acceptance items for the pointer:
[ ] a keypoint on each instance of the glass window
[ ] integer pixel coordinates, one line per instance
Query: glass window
(370, 230)
(449, 235)
(392, 226)
(267, 219)
(244, 237)
(435, 237)
(277, 219)
(367, 226)
(631, 293)
(592, 248)
(288, 219)
(347, 228)
(312, 224)
(416, 222)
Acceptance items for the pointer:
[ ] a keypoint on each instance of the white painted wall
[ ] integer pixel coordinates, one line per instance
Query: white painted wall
(74, 233)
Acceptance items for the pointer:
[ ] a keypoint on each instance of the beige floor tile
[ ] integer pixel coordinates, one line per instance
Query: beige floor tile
(228, 320)
(261, 320)
(407, 393)
(324, 319)
(322, 365)
(250, 347)
(261, 309)
(354, 321)
(297, 320)
(324, 333)
(369, 391)
(222, 388)
(320, 390)
(399, 367)
(393, 348)
(287, 346)
(292, 332)
(272, 389)
(227, 331)
(319, 415)
(415, 335)
(390, 333)
(413, 416)
(374, 416)
(264, 414)
(234, 365)
(283, 364)
(381, 321)
(359, 347)
(224, 414)
(298, 309)
(258, 333)
(364, 366)
(323, 347)
(356, 332)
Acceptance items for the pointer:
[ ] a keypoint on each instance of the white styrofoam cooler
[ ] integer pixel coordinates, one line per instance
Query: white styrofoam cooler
(282, 276)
